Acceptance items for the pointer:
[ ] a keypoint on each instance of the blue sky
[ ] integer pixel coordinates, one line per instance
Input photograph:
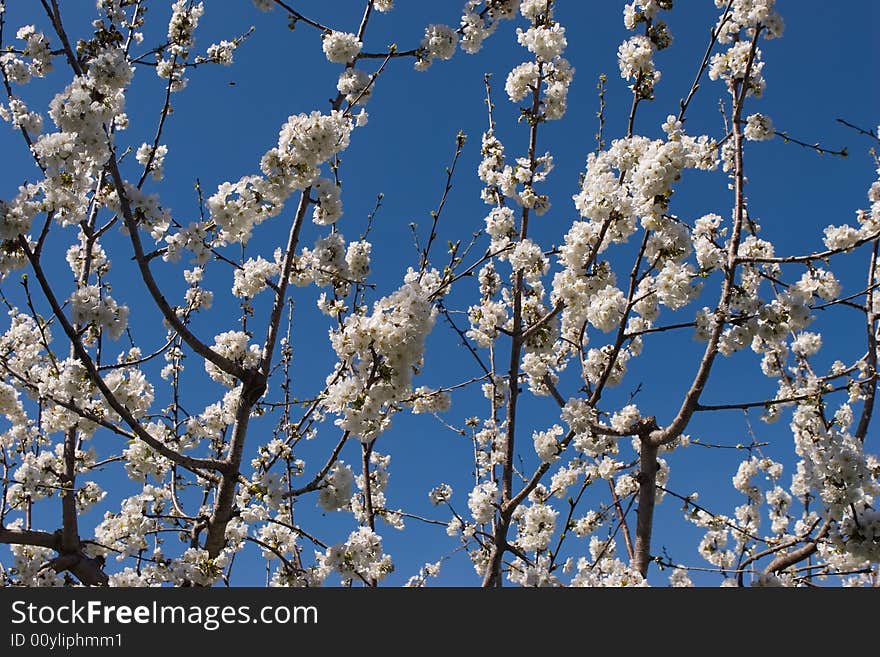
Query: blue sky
(823, 68)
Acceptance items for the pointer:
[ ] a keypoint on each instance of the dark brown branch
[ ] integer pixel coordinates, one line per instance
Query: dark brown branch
(315, 483)
(714, 33)
(871, 330)
(795, 556)
(30, 537)
(821, 255)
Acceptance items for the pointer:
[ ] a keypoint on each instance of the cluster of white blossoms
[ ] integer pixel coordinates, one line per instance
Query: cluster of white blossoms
(21, 117)
(234, 346)
(440, 494)
(859, 535)
(606, 308)
(379, 477)
(758, 128)
(625, 419)
(82, 113)
(35, 60)
(428, 400)
(341, 47)
(13, 410)
(635, 56)
(266, 488)
(332, 263)
(732, 65)
(482, 500)
(194, 238)
(84, 256)
(748, 514)
(356, 85)
(335, 494)
(477, 23)
(183, 22)
(127, 532)
(528, 257)
(222, 52)
(547, 443)
(635, 178)
(605, 569)
(357, 258)
(28, 561)
(91, 306)
(510, 181)
(490, 440)
(359, 557)
(587, 524)
(765, 326)
(806, 344)
(439, 42)
(215, 418)
(305, 142)
(536, 525)
(546, 42)
(631, 180)
(641, 10)
(713, 545)
(23, 346)
(747, 15)
(131, 388)
(152, 159)
(328, 207)
(35, 478)
(779, 504)
(196, 567)
(142, 462)
(378, 353)
(580, 417)
(550, 73)
(554, 77)
(145, 209)
(308, 140)
(253, 277)
(842, 238)
(492, 172)
(707, 236)
(57, 151)
(533, 10)
(171, 60)
(833, 461)
(278, 541)
(490, 316)
(426, 571)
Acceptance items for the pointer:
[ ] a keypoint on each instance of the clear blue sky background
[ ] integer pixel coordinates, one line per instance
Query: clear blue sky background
(823, 68)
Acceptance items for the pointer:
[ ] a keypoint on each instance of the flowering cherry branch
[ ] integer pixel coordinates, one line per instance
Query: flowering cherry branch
(234, 475)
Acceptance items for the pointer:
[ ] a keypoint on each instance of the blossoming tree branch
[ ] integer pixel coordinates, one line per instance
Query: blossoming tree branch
(116, 472)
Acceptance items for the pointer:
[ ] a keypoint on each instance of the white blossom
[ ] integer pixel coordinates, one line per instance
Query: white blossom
(341, 47)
